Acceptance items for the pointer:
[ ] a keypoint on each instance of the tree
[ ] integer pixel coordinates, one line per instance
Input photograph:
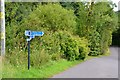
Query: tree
(14, 15)
(97, 24)
(116, 34)
(53, 17)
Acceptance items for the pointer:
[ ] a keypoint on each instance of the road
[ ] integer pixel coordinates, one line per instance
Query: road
(104, 67)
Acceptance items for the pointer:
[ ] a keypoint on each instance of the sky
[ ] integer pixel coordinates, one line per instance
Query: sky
(117, 2)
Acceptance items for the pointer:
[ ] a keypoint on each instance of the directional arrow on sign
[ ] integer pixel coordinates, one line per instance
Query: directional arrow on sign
(32, 34)
(36, 33)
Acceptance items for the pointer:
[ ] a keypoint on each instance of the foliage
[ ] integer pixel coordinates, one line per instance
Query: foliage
(63, 45)
(17, 57)
(116, 34)
(16, 12)
(97, 25)
(51, 16)
(14, 15)
(39, 58)
(72, 30)
(73, 47)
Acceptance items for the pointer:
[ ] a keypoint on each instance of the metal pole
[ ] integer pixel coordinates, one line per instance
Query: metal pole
(2, 17)
(28, 55)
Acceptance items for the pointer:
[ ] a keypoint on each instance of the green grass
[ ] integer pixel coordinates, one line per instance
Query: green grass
(46, 71)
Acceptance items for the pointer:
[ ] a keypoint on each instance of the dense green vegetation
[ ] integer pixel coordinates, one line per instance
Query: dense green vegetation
(116, 34)
(73, 31)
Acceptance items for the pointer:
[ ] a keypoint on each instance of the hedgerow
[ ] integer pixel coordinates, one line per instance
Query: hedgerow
(72, 31)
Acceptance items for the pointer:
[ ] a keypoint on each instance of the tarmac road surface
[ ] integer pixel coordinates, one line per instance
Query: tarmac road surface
(104, 67)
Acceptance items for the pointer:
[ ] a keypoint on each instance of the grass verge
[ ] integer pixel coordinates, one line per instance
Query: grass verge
(46, 71)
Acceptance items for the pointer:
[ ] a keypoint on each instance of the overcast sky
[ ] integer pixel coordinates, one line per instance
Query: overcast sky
(117, 2)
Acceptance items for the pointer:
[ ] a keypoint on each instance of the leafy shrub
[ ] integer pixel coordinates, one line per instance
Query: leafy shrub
(47, 18)
(17, 57)
(51, 16)
(73, 48)
(62, 44)
(96, 25)
(59, 25)
(56, 56)
(39, 57)
(116, 38)
(106, 40)
(16, 12)
(94, 38)
(56, 18)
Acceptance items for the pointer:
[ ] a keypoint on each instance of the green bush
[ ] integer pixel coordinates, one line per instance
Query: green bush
(106, 41)
(62, 44)
(48, 18)
(116, 34)
(56, 18)
(61, 26)
(96, 24)
(20, 57)
(17, 57)
(39, 58)
(51, 16)
(73, 47)
(56, 56)
(94, 40)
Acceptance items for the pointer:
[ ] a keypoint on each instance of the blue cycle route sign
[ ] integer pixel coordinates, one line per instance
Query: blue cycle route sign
(31, 35)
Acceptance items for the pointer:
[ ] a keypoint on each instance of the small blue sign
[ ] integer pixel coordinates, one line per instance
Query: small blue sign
(32, 34)
(36, 33)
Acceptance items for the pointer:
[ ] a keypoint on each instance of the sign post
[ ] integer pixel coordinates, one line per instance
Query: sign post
(31, 35)
(28, 55)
